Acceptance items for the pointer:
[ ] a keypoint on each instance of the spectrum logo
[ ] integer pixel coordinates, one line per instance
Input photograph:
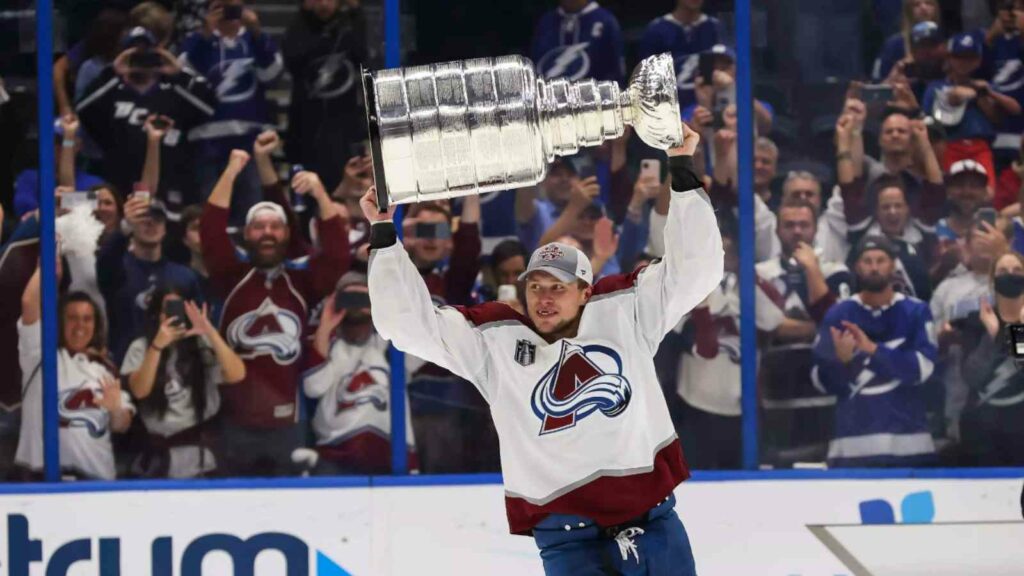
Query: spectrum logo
(23, 551)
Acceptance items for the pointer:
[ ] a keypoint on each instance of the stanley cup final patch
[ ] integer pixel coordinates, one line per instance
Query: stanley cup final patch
(526, 352)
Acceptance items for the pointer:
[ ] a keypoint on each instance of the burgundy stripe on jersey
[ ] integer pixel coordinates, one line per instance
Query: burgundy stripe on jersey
(608, 500)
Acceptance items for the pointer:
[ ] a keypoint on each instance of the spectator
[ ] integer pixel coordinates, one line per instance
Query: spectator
(131, 265)
(92, 404)
(1002, 57)
(874, 352)
(240, 61)
(899, 45)
(966, 192)
(578, 40)
(324, 48)
(537, 207)
(797, 413)
(26, 187)
(583, 219)
(968, 108)
(709, 371)
(505, 263)
(1008, 187)
(719, 92)
(76, 69)
(926, 62)
(685, 32)
(991, 427)
(449, 262)
(264, 315)
(173, 372)
(116, 107)
(350, 376)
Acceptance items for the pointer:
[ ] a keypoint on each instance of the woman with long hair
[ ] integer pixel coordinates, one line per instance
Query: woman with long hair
(91, 403)
(992, 425)
(174, 371)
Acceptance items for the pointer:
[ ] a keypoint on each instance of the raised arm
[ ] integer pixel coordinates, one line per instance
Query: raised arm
(464, 264)
(693, 263)
(218, 250)
(404, 313)
(66, 155)
(583, 193)
(155, 128)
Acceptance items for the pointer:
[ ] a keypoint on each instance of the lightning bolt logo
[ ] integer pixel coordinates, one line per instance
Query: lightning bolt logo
(571, 62)
(237, 80)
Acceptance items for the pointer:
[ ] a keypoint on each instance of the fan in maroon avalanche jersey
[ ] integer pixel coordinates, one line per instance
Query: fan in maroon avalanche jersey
(266, 302)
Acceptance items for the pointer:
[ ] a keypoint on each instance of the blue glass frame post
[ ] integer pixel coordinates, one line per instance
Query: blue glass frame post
(399, 449)
(748, 330)
(47, 239)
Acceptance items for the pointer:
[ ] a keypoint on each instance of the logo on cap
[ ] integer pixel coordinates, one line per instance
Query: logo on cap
(550, 253)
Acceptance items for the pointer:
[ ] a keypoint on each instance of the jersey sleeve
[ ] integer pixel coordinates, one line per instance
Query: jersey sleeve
(133, 357)
(404, 313)
(692, 266)
(321, 372)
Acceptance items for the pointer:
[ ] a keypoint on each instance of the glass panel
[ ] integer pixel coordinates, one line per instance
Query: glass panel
(897, 123)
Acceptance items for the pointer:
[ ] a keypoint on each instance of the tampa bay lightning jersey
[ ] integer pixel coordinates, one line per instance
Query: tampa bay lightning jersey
(1004, 61)
(880, 399)
(685, 43)
(584, 44)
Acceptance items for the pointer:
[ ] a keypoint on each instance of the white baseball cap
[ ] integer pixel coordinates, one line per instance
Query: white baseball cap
(260, 207)
(561, 261)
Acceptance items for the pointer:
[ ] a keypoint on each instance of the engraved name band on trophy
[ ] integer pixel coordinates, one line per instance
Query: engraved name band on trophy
(477, 126)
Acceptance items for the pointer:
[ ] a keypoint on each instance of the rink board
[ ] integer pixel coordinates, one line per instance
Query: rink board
(380, 527)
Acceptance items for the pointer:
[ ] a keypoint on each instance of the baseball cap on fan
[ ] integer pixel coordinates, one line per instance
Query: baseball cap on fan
(261, 207)
(561, 261)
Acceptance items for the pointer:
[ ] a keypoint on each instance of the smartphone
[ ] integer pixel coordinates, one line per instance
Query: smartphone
(161, 123)
(985, 215)
(1016, 340)
(70, 200)
(871, 93)
(717, 120)
(145, 59)
(176, 309)
(141, 192)
(923, 71)
(351, 300)
(507, 293)
(706, 67)
(650, 168)
(435, 230)
(233, 12)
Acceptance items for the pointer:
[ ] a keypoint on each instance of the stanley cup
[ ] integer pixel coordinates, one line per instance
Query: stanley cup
(477, 126)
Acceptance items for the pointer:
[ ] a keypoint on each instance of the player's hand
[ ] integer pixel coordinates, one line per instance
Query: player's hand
(109, 394)
(583, 193)
(606, 241)
(307, 182)
(864, 344)
(805, 256)
(844, 343)
(266, 143)
(690, 140)
(237, 161)
(370, 209)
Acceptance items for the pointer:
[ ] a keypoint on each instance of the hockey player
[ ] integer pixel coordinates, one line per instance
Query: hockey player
(589, 454)
(267, 300)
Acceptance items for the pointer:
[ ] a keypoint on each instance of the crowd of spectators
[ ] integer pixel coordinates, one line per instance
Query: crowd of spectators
(214, 313)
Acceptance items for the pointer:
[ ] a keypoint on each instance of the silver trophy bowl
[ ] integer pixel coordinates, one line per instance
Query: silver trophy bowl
(477, 126)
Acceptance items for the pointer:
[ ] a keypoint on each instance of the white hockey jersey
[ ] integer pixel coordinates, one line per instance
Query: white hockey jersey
(582, 422)
(353, 415)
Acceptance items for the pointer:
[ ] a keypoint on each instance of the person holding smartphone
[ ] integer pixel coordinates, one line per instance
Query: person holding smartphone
(348, 372)
(173, 372)
(241, 63)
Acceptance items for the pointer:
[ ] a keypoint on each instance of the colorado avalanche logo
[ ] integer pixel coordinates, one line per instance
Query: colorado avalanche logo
(585, 380)
(550, 253)
(268, 330)
(330, 76)
(77, 409)
(570, 62)
(368, 386)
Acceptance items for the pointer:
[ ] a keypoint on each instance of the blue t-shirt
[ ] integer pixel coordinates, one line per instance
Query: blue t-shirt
(1003, 63)
(584, 44)
(26, 188)
(974, 123)
(893, 50)
(685, 43)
